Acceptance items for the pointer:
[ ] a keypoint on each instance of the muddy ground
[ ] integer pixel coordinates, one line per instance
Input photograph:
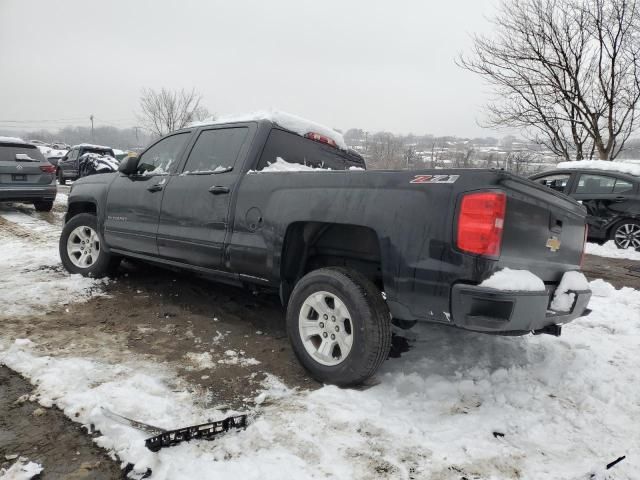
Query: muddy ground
(163, 315)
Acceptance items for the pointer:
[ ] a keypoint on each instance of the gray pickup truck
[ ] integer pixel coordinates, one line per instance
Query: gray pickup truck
(265, 204)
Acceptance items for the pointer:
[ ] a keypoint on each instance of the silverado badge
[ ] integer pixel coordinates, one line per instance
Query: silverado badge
(553, 244)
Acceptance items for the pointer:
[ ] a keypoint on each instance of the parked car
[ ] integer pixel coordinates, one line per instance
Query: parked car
(60, 146)
(253, 203)
(52, 155)
(610, 193)
(25, 175)
(69, 167)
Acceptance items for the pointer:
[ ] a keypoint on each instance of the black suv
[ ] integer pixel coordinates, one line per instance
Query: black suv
(612, 200)
(68, 166)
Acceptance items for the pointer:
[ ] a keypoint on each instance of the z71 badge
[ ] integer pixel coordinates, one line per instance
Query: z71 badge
(434, 179)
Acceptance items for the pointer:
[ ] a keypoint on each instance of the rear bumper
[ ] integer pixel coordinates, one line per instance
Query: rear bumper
(495, 311)
(28, 193)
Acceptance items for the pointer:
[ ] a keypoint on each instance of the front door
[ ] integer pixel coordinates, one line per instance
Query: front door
(195, 206)
(133, 202)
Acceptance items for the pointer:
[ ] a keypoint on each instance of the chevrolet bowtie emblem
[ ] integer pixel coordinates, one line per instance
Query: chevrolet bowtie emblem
(553, 244)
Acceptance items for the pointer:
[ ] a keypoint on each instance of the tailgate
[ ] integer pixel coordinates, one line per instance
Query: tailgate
(543, 231)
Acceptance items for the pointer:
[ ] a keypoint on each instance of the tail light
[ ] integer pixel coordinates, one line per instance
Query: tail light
(584, 244)
(48, 168)
(480, 223)
(316, 137)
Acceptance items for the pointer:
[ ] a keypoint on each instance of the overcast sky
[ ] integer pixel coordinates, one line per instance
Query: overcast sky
(376, 65)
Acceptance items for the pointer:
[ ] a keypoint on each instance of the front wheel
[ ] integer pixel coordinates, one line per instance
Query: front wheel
(626, 233)
(81, 248)
(339, 326)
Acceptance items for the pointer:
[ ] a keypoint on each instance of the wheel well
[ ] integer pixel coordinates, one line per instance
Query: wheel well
(77, 208)
(312, 245)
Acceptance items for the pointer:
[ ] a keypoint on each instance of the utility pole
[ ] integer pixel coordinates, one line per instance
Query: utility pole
(91, 118)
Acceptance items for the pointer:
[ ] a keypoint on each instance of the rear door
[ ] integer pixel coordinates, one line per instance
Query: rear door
(20, 166)
(133, 201)
(195, 208)
(607, 198)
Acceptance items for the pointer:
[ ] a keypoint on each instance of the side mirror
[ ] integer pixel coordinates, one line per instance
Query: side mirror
(129, 165)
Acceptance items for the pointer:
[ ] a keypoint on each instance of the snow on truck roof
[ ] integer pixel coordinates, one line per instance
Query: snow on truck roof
(613, 166)
(296, 124)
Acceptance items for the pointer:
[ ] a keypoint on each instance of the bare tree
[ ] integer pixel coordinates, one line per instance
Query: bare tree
(520, 162)
(167, 110)
(385, 152)
(565, 71)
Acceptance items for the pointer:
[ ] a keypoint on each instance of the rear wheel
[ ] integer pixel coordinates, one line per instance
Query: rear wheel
(626, 234)
(43, 205)
(81, 248)
(339, 326)
(61, 179)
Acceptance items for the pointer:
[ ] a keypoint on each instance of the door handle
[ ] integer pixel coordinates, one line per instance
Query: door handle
(155, 188)
(219, 190)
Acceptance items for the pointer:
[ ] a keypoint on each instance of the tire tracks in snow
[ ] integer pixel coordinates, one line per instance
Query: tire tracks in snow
(24, 225)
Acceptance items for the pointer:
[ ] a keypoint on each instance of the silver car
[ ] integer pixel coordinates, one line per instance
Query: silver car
(25, 175)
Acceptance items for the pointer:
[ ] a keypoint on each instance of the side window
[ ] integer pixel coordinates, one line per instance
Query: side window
(73, 154)
(216, 150)
(622, 186)
(160, 157)
(292, 148)
(595, 184)
(557, 181)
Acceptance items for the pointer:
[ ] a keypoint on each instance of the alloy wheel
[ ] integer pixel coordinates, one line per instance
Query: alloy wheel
(325, 327)
(83, 246)
(628, 235)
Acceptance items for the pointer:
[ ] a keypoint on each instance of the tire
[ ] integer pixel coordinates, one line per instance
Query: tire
(626, 233)
(363, 330)
(43, 205)
(61, 179)
(96, 263)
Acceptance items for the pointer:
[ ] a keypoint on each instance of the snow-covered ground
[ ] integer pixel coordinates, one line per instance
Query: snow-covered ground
(457, 405)
(610, 250)
(32, 279)
(21, 469)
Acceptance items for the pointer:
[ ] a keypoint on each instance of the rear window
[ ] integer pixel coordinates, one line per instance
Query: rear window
(25, 153)
(293, 148)
(595, 184)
